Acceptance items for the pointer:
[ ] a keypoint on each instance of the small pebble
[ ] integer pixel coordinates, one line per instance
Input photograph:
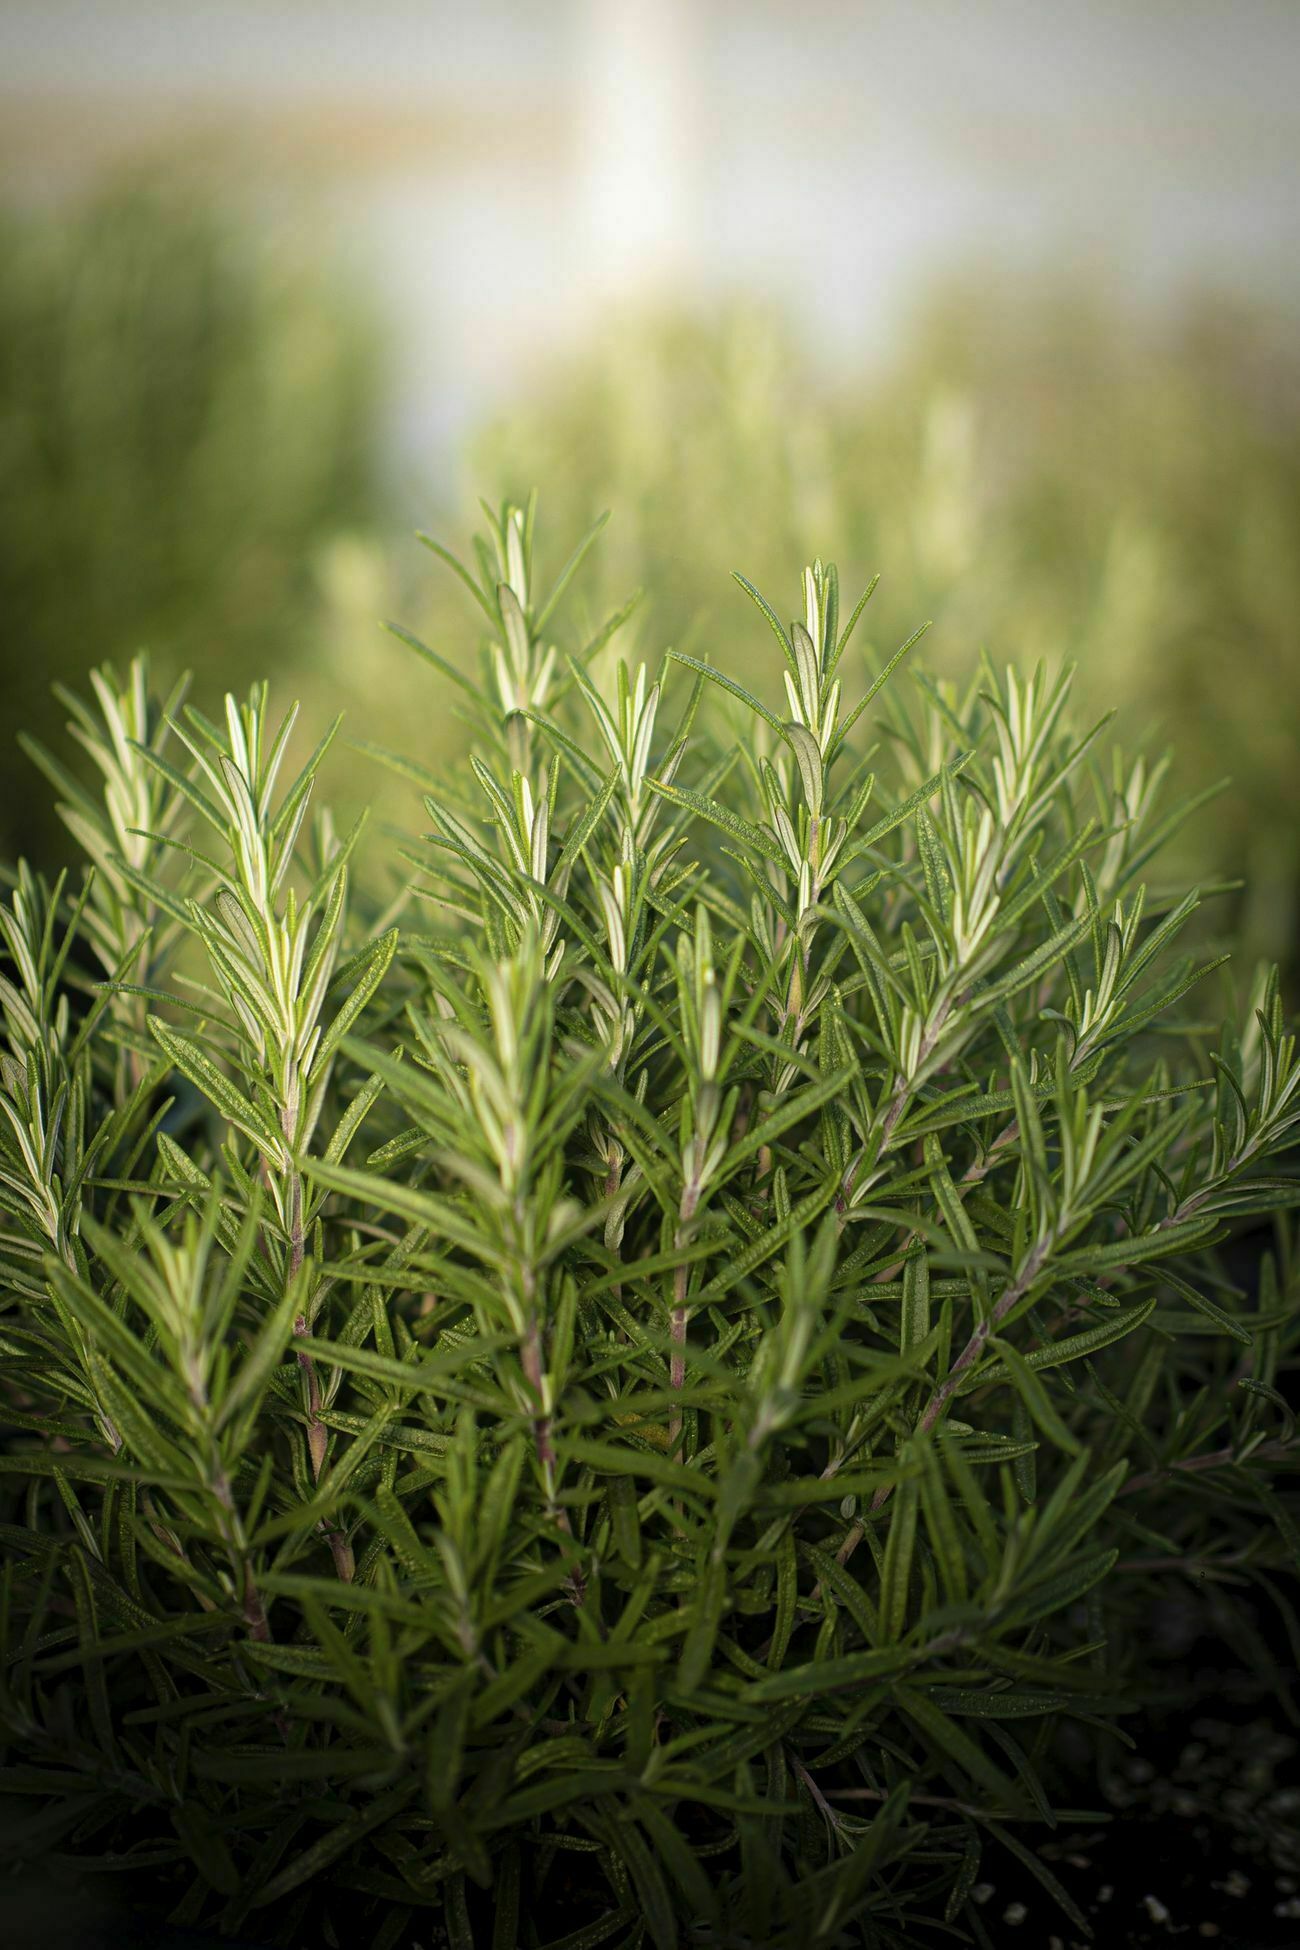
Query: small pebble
(1236, 1884)
(982, 1892)
(1014, 1913)
(1208, 1929)
(1105, 1893)
(1291, 1907)
(1155, 1909)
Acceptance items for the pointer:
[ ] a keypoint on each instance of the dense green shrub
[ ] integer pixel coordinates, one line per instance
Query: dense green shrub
(623, 1399)
(187, 410)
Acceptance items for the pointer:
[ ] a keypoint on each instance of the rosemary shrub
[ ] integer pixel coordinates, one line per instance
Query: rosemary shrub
(622, 1399)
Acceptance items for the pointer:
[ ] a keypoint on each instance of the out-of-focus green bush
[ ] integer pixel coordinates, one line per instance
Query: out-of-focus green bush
(1094, 488)
(188, 410)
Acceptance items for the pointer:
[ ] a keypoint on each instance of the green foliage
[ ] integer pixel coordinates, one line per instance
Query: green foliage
(1035, 468)
(623, 1399)
(186, 412)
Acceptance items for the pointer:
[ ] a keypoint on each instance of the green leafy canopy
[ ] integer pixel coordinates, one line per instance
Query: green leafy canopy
(617, 1396)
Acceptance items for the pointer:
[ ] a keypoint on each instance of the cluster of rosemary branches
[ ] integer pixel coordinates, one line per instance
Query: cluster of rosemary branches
(622, 1399)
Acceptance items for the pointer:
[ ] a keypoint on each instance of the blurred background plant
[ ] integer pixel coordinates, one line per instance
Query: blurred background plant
(189, 406)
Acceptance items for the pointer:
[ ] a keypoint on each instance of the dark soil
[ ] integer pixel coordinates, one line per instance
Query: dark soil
(1204, 1845)
(1204, 1840)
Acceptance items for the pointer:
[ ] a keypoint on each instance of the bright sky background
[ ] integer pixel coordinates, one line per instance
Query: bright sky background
(506, 170)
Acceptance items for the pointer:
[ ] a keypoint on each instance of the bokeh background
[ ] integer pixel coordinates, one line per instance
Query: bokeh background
(1000, 301)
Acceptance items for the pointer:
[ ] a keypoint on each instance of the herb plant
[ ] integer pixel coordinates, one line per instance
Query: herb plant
(1033, 464)
(622, 1396)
